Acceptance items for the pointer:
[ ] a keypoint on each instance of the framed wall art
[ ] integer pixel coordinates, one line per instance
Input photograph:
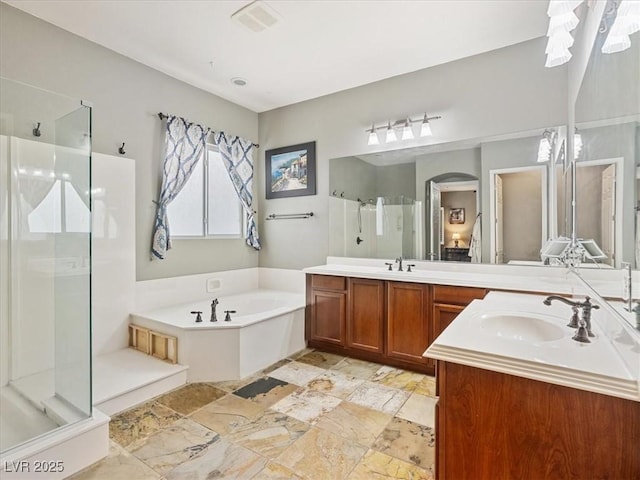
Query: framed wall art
(291, 171)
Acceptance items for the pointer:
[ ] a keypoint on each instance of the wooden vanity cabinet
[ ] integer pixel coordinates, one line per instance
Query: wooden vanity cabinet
(408, 333)
(381, 321)
(365, 315)
(492, 425)
(327, 310)
(448, 302)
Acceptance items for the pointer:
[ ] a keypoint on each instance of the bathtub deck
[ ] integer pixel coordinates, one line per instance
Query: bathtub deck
(127, 377)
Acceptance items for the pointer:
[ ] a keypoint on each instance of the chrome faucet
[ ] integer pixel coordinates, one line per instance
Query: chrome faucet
(399, 261)
(214, 304)
(584, 325)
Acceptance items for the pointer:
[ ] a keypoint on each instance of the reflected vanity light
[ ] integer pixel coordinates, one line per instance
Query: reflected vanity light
(545, 147)
(391, 134)
(626, 23)
(577, 144)
(406, 126)
(562, 20)
(373, 136)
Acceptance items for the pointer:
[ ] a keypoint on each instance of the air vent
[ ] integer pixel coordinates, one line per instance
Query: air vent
(256, 16)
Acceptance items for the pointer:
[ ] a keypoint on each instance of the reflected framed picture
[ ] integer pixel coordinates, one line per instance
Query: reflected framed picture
(290, 171)
(456, 215)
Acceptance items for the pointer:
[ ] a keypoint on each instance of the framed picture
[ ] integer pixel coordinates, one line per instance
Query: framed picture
(456, 215)
(291, 171)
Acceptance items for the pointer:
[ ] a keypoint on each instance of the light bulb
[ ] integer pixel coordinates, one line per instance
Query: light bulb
(544, 150)
(373, 136)
(577, 145)
(425, 130)
(391, 134)
(407, 132)
(558, 58)
(559, 41)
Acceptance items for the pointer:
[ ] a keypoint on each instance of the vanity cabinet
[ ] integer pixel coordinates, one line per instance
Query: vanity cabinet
(327, 300)
(407, 321)
(365, 315)
(448, 302)
(381, 321)
(493, 425)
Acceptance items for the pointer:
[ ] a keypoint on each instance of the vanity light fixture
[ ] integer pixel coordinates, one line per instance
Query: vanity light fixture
(626, 23)
(406, 126)
(407, 131)
(391, 134)
(373, 136)
(425, 129)
(562, 20)
(577, 144)
(545, 147)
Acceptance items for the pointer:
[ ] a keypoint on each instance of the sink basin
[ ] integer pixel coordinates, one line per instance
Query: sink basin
(526, 328)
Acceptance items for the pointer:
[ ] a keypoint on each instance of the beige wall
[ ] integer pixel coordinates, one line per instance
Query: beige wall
(522, 213)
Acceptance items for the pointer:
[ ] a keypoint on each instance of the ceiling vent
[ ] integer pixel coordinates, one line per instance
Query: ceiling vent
(256, 16)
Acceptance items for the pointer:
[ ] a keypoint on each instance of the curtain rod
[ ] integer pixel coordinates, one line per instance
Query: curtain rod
(164, 116)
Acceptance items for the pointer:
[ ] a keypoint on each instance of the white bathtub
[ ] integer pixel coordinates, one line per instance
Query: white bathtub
(268, 326)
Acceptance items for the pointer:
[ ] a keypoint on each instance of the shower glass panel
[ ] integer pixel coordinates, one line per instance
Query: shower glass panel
(385, 227)
(45, 258)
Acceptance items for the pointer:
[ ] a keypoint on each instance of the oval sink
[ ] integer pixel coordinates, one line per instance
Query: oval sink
(521, 327)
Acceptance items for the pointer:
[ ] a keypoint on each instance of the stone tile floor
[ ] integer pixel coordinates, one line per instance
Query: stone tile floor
(315, 416)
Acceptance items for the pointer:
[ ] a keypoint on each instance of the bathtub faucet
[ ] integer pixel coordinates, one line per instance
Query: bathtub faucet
(214, 304)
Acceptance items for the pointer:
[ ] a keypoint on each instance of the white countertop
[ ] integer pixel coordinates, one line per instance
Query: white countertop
(497, 277)
(597, 366)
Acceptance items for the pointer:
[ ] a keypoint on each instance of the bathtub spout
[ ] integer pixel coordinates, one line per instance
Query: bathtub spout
(214, 304)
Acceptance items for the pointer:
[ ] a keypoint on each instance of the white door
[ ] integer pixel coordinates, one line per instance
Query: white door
(609, 213)
(499, 221)
(434, 221)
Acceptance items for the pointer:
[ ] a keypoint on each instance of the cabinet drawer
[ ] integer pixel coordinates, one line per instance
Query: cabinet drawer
(457, 295)
(327, 282)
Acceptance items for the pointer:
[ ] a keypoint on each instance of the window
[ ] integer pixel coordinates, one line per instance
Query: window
(208, 205)
(61, 210)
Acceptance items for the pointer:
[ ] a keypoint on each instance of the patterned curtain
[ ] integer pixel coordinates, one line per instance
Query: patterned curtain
(185, 144)
(236, 153)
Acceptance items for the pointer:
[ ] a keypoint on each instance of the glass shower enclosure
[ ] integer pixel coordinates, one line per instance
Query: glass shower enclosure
(384, 227)
(45, 263)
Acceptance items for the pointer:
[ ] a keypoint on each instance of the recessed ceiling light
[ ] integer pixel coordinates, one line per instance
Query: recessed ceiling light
(240, 82)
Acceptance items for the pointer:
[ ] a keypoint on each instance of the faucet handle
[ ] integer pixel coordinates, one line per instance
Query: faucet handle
(198, 315)
(389, 265)
(227, 317)
(409, 266)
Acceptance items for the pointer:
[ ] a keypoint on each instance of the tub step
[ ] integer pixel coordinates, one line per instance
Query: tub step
(127, 377)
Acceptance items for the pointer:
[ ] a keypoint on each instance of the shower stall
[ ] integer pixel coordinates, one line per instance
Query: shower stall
(381, 227)
(45, 265)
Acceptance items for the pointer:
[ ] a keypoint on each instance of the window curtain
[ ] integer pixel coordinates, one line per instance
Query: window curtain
(185, 144)
(236, 153)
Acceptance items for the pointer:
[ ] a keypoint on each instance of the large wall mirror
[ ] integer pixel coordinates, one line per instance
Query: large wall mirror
(427, 202)
(607, 121)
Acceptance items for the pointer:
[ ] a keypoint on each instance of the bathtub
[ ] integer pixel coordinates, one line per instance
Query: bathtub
(268, 326)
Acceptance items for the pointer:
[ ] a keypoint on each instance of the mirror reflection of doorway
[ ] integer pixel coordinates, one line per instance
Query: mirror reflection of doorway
(518, 214)
(599, 198)
(449, 194)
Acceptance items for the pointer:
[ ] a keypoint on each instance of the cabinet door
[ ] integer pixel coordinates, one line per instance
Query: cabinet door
(443, 315)
(365, 315)
(407, 321)
(328, 316)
